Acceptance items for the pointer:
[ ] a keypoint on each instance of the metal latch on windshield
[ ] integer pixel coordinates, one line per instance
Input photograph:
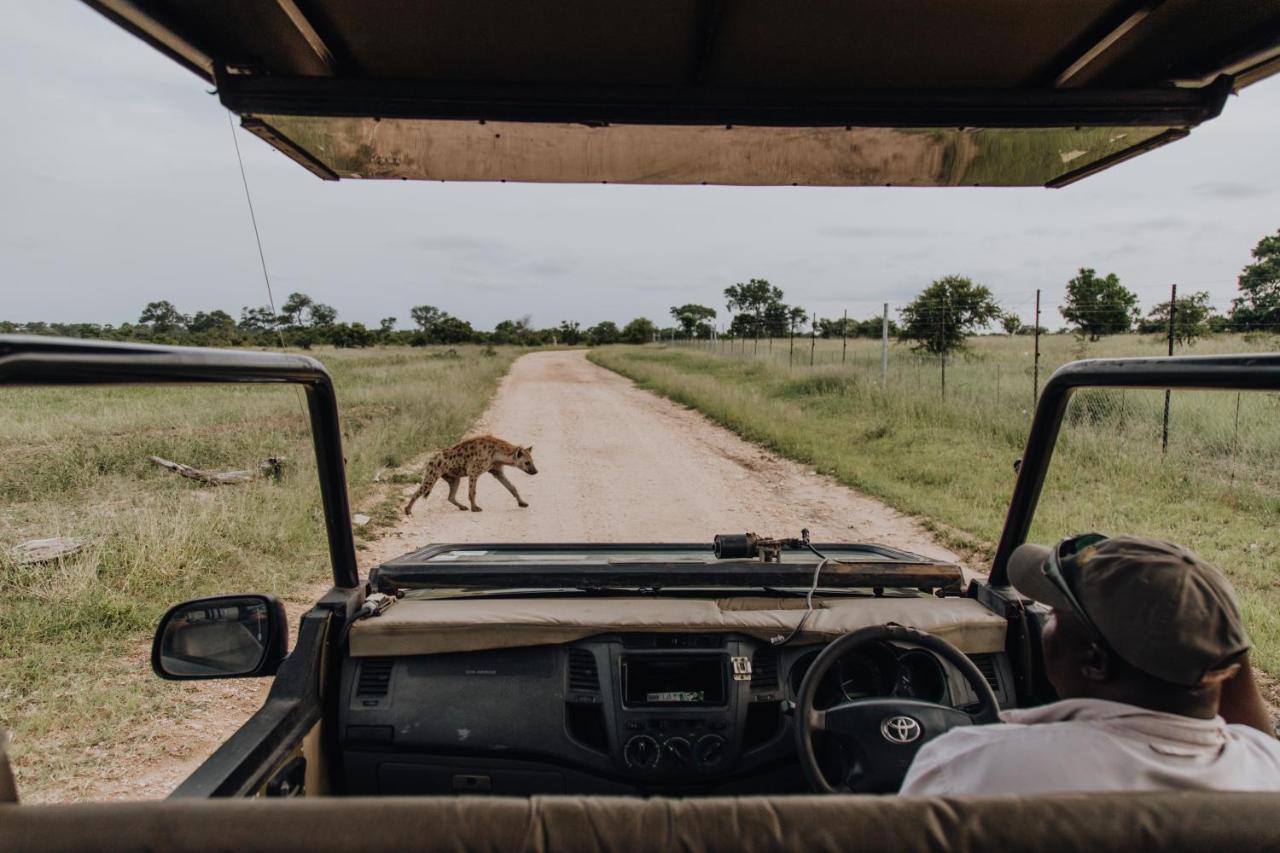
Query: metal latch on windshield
(741, 668)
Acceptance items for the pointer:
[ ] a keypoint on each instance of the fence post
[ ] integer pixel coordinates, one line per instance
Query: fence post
(997, 383)
(1035, 382)
(844, 337)
(1173, 313)
(813, 337)
(791, 354)
(884, 348)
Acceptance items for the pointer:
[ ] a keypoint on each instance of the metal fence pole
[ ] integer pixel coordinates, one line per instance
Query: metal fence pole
(813, 337)
(1173, 313)
(791, 354)
(844, 337)
(1035, 382)
(884, 348)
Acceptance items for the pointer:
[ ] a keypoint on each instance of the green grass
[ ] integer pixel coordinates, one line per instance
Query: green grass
(73, 666)
(950, 462)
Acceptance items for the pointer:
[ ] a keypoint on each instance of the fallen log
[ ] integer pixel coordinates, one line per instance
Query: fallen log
(269, 468)
(35, 551)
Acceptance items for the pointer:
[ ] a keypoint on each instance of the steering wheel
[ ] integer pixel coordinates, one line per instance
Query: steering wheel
(882, 734)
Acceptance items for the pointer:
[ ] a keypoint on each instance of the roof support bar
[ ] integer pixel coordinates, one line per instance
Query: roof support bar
(313, 39)
(1105, 43)
(145, 26)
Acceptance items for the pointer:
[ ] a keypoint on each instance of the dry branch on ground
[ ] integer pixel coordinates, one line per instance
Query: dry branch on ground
(270, 467)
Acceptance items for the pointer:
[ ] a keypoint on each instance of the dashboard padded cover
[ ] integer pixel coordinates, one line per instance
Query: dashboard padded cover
(420, 627)
(1238, 822)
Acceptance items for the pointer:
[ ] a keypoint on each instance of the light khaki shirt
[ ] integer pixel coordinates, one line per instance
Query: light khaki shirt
(1095, 745)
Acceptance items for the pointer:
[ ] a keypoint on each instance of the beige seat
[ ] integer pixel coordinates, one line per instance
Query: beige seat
(1236, 822)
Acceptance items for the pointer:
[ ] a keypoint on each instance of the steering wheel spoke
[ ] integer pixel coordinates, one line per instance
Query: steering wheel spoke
(882, 734)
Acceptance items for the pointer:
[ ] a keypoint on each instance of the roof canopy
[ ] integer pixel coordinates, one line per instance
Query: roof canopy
(821, 92)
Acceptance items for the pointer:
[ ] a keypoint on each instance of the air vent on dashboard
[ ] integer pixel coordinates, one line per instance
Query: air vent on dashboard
(583, 675)
(764, 669)
(375, 677)
(986, 665)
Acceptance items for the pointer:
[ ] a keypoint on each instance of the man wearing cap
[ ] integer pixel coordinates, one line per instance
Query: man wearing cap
(1147, 649)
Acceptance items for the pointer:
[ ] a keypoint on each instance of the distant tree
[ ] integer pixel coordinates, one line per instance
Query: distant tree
(293, 312)
(451, 330)
(426, 316)
(569, 333)
(755, 298)
(162, 316)
(344, 335)
(1011, 323)
(1190, 321)
(693, 319)
(213, 322)
(604, 332)
(387, 325)
(1259, 284)
(639, 331)
(259, 319)
(943, 316)
(1099, 306)
(322, 315)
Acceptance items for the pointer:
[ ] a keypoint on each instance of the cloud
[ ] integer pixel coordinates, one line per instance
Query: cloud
(1231, 190)
(875, 231)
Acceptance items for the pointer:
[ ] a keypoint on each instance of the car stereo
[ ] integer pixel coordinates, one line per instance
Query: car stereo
(670, 681)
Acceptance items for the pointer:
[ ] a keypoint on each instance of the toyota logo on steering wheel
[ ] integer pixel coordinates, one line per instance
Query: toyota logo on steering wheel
(900, 729)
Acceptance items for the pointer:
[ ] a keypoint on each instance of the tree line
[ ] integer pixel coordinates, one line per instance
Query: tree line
(303, 322)
(953, 308)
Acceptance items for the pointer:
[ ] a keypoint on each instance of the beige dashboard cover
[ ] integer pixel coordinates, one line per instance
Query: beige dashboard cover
(415, 627)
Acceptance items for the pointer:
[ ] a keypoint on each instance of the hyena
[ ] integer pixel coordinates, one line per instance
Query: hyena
(470, 459)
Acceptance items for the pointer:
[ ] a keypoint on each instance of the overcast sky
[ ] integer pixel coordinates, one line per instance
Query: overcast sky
(121, 187)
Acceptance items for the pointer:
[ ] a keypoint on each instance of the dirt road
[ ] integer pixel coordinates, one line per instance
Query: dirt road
(615, 463)
(618, 463)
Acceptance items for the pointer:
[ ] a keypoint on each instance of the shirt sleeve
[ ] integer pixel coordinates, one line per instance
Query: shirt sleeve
(927, 774)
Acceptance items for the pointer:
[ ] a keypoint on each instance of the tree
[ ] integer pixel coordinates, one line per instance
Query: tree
(693, 319)
(1011, 323)
(425, 317)
(162, 316)
(323, 315)
(387, 325)
(293, 309)
(1259, 284)
(451, 330)
(753, 298)
(639, 331)
(604, 332)
(569, 332)
(261, 319)
(1099, 306)
(213, 322)
(940, 319)
(1190, 321)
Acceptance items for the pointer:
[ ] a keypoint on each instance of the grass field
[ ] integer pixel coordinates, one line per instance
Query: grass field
(73, 668)
(950, 462)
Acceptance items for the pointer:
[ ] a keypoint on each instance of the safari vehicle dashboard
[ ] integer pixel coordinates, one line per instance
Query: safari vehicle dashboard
(671, 713)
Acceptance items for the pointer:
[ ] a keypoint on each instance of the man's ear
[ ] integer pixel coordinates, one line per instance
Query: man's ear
(1096, 664)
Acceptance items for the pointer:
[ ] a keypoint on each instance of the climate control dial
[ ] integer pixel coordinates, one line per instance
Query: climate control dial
(641, 751)
(709, 751)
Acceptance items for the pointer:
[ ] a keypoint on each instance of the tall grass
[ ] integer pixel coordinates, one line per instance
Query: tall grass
(73, 633)
(951, 462)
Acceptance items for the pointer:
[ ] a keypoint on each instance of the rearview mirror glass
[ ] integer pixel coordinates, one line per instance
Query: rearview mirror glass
(228, 636)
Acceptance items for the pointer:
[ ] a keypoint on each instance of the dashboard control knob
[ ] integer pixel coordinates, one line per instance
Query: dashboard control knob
(679, 751)
(641, 751)
(709, 750)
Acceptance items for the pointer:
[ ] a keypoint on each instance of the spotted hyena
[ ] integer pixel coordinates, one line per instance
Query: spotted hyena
(470, 459)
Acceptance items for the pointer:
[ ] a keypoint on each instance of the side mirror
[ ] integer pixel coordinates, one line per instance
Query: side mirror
(226, 636)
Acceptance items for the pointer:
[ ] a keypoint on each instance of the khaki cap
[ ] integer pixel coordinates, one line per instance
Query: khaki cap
(1160, 607)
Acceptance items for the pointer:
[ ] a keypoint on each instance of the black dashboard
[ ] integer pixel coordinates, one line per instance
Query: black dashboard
(678, 714)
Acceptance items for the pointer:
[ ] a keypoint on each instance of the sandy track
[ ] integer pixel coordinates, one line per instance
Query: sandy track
(620, 464)
(615, 464)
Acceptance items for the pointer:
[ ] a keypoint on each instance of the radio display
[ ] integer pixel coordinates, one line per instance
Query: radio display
(675, 681)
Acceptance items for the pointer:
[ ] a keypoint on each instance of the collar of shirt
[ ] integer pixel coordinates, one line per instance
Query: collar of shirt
(1172, 734)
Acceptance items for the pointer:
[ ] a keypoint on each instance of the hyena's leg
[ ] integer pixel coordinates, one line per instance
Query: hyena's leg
(471, 491)
(453, 492)
(496, 471)
(428, 480)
